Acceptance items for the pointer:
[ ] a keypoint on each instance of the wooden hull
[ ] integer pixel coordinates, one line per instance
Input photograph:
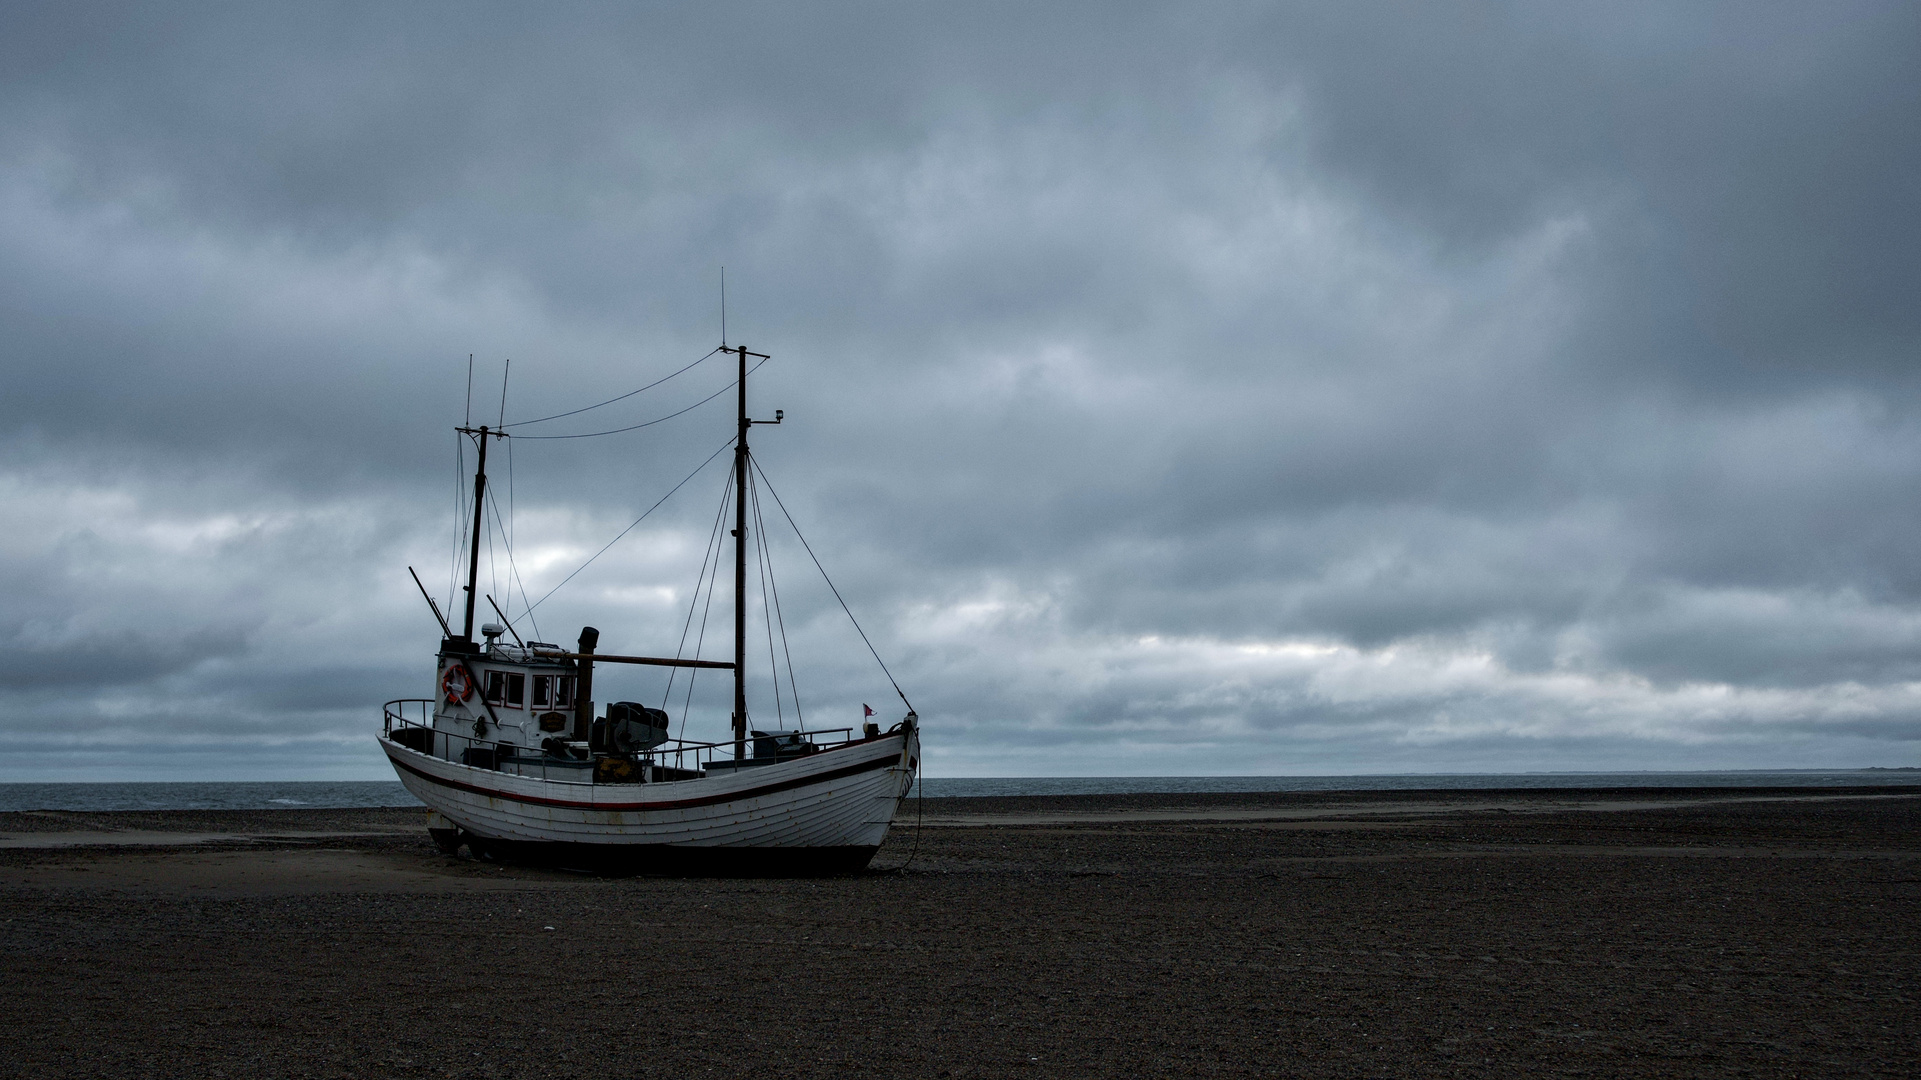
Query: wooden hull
(826, 812)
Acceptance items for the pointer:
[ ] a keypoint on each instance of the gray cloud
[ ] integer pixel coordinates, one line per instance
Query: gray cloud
(1172, 388)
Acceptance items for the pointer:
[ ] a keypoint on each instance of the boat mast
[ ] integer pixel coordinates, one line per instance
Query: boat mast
(480, 491)
(740, 552)
(740, 565)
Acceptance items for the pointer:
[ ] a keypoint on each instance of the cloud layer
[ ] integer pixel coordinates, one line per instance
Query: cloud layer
(1199, 389)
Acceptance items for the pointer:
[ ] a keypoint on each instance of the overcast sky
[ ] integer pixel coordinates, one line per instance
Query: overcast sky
(1185, 389)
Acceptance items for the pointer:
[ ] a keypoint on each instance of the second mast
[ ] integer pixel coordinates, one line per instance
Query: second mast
(740, 550)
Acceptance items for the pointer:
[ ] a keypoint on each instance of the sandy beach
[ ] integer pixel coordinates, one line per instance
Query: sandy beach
(1630, 932)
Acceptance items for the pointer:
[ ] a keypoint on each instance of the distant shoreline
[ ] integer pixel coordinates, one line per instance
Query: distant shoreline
(78, 796)
(301, 825)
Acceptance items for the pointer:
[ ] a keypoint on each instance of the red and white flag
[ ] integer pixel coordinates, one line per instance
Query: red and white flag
(865, 712)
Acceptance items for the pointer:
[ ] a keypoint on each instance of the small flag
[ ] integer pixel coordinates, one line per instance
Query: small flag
(865, 712)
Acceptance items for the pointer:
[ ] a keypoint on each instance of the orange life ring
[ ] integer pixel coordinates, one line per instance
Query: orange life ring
(456, 685)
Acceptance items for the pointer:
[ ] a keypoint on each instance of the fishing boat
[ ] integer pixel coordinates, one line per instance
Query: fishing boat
(516, 762)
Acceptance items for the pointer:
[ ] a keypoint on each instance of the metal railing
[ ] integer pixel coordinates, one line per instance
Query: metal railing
(396, 712)
(681, 755)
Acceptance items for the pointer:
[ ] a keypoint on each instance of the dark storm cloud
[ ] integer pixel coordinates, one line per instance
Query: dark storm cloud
(1767, 149)
(1178, 388)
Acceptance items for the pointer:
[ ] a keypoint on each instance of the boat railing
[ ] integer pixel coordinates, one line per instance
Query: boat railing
(409, 712)
(686, 755)
(680, 755)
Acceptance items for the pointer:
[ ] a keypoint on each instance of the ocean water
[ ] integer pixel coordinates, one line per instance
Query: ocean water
(333, 794)
(262, 795)
(1157, 785)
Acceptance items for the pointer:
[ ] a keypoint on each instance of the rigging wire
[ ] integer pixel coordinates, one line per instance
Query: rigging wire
(650, 423)
(460, 498)
(610, 401)
(760, 526)
(487, 524)
(630, 528)
(792, 688)
(766, 609)
(713, 583)
(686, 704)
(506, 526)
(513, 565)
(511, 521)
(495, 524)
(830, 582)
(515, 570)
(713, 540)
(460, 516)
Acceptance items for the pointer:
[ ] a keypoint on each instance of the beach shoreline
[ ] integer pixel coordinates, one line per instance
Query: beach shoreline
(1620, 932)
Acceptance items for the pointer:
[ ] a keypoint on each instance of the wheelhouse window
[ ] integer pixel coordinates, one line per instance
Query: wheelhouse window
(564, 692)
(543, 691)
(506, 688)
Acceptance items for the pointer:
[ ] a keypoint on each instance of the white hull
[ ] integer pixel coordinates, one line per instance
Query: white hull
(841, 799)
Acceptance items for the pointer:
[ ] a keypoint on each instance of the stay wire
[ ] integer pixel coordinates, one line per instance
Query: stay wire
(487, 524)
(514, 570)
(830, 583)
(610, 401)
(713, 540)
(460, 494)
(687, 702)
(631, 527)
(713, 584)
(650, 423)
(693, 602)
(793, 690)
(460, 517)
(513, 566)
(766, 609)
(512, 563)
(506, 525)
(486, 529)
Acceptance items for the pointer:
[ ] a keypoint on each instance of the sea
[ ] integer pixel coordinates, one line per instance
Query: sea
(329, 794)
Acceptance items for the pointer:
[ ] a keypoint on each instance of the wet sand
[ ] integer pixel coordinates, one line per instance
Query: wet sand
(1566, 933)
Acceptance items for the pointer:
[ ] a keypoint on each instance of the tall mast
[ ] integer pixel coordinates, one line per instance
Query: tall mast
(740, 552)
(480, 491)
(740, 565)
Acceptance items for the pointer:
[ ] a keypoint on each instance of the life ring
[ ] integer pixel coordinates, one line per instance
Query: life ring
(456, 684)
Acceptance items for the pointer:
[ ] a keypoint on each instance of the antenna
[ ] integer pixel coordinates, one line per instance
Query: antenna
(509, 527)
(469, 421)
(723, 307)
(430, 603)
(506, 621)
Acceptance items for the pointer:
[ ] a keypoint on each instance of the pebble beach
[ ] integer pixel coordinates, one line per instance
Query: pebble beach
(1617, 933)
